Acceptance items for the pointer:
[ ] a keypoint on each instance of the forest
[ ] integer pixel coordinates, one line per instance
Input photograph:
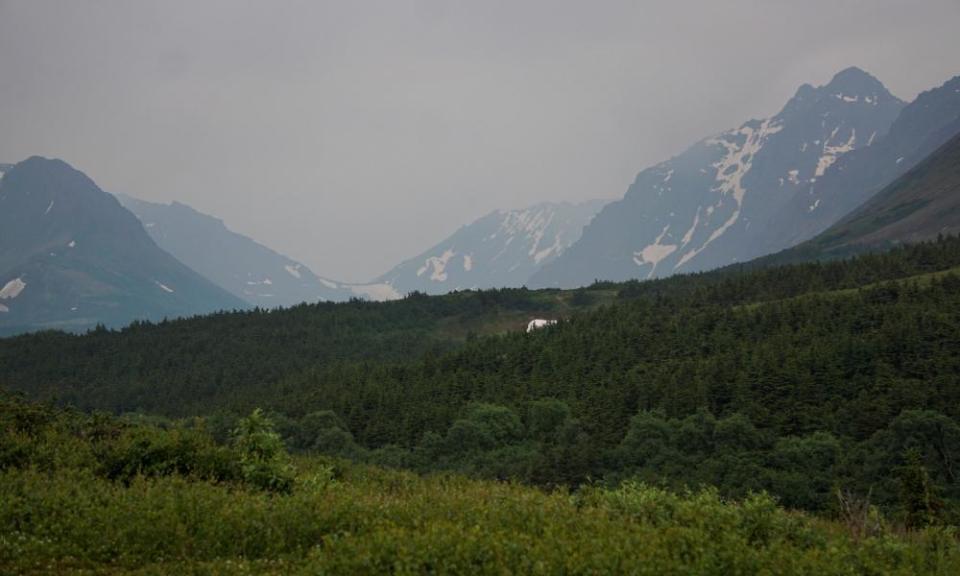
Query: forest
(820, 384)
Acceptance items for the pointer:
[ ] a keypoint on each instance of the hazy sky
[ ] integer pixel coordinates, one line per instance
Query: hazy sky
(352, 135)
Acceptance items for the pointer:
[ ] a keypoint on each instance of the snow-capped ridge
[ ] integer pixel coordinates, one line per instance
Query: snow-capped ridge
(711, 204)
(502, 248)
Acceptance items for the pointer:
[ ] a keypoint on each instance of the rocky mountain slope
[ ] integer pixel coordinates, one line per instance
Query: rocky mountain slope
(711, 205)
(921, 128)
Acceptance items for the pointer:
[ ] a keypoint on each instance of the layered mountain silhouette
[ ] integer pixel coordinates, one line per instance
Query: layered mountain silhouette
(713, 204)
(842, 168)
(247, 269)
(72, 257)
(503, 248)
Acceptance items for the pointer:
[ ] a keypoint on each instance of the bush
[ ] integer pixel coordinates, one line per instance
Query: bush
(263, 459)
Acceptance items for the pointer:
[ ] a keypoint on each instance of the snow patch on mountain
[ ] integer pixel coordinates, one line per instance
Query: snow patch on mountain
(164, 287)
(12, 289)
(540, 255)
(731, 170)
(293, 270)
(654, 253)
(438, 264)
(832, 152)
(379, 291)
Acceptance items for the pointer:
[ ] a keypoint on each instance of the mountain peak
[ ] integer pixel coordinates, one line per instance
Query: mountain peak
(855, 81)
(850, 85)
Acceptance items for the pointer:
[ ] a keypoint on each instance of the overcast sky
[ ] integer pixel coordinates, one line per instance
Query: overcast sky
(352, 135)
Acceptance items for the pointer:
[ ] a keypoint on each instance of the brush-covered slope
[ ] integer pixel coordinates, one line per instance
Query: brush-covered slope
(71, 257)
(94, 495)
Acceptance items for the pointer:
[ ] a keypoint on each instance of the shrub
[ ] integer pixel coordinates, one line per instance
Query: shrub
(263, 459)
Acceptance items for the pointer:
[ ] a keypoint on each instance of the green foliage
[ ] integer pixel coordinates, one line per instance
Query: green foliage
(918, 497)
(145, 451)
(546, 419)
(263, 458)
(66, 515)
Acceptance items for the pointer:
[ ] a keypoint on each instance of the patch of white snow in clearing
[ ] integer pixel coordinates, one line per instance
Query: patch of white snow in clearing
(538, 323)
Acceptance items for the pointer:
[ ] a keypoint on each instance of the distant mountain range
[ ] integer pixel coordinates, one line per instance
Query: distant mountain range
(72, 257)
(841, 168)
(247, 269)
(712, 204)
(503, 248)
(235, 262)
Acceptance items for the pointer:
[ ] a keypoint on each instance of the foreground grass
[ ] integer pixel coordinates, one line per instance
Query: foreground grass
(371, 521)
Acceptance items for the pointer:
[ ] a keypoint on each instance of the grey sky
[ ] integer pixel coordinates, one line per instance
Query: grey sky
(351, 135)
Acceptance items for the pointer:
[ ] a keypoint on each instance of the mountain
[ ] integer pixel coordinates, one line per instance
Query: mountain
(72, 257)
(921, 128)
(918, 206)
(234, 262)
(709, 206)
(503, 248)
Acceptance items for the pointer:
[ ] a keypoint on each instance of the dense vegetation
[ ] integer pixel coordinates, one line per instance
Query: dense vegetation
(93, 494)
(803, 381)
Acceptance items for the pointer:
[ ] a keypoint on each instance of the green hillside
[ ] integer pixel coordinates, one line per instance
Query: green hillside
(796, 380)
(95, 495)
